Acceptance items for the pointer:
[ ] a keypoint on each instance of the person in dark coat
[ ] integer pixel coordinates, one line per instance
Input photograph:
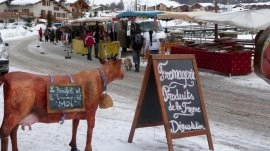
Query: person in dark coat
(52, 36)
(57, 35)
(97, 40)
(40, 33)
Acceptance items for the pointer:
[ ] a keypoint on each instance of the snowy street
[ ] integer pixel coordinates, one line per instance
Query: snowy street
(238, 108)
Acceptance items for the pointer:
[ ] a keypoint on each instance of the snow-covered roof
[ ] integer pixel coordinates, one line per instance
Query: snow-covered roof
(260, 3)
(2, 1)
(24, 2)
(206, 4)
(70, 1)
(156, 2)
(171, 4)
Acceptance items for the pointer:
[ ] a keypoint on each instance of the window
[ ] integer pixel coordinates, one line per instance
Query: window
(25, 10)
(42, 13)
(46, 2)
(55, 8)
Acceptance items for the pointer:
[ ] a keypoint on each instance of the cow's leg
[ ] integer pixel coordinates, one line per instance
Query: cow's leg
(9, 123)
(90, 127)
(14, 111)
(13, 137)
(73, 142)
(4, 143)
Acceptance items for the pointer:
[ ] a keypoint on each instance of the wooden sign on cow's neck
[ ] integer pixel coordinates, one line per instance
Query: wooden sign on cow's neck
(65, 98)
(171, 96)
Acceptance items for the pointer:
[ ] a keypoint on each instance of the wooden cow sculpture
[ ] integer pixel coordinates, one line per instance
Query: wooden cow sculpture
(25, 100)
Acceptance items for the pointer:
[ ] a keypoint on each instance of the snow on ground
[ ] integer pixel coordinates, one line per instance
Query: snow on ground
(113, 124)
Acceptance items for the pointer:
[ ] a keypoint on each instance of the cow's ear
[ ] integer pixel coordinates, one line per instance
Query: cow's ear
(102, 61)
(115, 57)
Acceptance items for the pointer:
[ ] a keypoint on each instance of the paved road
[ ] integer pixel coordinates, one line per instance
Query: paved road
(242, 111)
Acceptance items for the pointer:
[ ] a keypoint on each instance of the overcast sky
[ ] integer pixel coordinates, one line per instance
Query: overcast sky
(129, 4)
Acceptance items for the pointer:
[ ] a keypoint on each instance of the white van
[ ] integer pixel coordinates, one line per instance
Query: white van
(148, 25)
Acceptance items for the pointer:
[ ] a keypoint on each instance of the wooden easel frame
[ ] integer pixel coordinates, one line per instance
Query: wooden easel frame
(152, 65)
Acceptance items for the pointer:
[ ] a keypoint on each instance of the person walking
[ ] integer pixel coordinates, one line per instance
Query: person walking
(57, 35)
(89, 41)
(97, 39)
(40, 34)
(46, 34)
(52, 36)
(137, 42)
(152, 44)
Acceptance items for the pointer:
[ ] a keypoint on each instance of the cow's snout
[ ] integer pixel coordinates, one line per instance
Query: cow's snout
(122, 74)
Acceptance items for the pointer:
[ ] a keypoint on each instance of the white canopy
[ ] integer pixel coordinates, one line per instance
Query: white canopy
(188, 16)
(248, 19)
(90, 19)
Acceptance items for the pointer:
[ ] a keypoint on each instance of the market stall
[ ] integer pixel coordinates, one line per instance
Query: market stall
(78, 46)
(107, 48)
(229, 62)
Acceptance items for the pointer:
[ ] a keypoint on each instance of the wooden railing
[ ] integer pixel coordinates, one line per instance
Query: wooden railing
(16, 14)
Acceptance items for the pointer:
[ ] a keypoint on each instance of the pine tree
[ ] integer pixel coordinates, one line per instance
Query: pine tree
(49, 20)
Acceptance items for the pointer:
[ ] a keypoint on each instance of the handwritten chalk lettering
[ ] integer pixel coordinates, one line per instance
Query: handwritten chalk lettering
(178, 126)
(64, 97)
(78, 91)
(51, 97)
(65, 103)
(175, 74)
(185, 109)
(172, 94)
(66, 90)
(52, 90)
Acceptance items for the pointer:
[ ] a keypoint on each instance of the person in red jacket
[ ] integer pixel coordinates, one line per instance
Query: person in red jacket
(40, 33)
(88, 41)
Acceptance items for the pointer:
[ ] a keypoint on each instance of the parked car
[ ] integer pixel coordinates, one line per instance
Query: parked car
(17, 24)
(4, 57)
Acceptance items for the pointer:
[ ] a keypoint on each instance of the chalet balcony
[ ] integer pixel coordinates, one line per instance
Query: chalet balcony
(16, 15)
(54, 18)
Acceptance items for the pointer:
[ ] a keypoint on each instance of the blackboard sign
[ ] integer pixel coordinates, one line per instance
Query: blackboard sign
(171, 96)
(65, 98)
(150, 112)
(180, 94)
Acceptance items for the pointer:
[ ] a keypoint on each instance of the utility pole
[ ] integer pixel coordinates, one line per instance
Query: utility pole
(135, 5)
(216, 25)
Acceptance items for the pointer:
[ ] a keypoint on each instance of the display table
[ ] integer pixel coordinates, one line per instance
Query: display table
(109, 49)
(106, 49)
(231, 63)
(78, 47)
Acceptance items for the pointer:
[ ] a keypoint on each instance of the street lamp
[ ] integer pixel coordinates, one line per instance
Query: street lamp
(17, 23)
(17, 14)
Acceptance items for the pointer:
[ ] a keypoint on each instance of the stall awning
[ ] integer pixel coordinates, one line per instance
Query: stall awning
(247, 19)
(141, 14)
(188, 16)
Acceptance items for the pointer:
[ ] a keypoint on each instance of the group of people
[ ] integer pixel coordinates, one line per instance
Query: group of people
(91, 39)
(50, 35)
